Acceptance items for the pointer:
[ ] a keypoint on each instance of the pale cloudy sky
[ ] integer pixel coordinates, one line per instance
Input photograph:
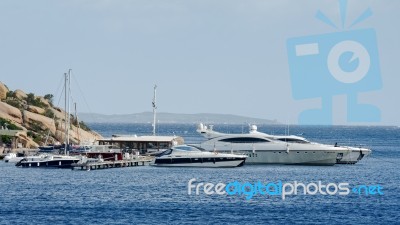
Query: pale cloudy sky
(226, 56)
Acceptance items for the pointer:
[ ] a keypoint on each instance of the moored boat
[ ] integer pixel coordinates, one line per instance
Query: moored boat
(13, 157)
(191, 156)
(268, 149)
(51, 161)
(355, 153)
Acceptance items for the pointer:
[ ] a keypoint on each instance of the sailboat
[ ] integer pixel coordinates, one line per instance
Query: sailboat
(51, 160)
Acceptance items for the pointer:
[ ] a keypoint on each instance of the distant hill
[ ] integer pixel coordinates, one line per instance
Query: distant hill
(147, 117)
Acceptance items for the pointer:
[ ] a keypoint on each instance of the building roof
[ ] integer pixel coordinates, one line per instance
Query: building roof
(142, 138)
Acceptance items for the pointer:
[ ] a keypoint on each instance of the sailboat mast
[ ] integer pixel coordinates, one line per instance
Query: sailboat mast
(67, 109)
(154, 110)
(77, 125)
(69, 106)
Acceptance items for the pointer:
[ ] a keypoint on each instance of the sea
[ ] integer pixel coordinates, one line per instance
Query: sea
(365, 193)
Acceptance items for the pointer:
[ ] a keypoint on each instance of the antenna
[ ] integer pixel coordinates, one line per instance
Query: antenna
(154, 110)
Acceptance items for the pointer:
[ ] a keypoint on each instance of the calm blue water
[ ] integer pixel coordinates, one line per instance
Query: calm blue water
(148, 195)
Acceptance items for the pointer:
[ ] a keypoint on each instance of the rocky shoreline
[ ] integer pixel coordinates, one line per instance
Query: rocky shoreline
(35, 119)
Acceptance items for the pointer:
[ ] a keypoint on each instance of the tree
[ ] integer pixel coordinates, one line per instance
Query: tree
(11, 94)
(49, 98)
(30, 99)
(35, 101)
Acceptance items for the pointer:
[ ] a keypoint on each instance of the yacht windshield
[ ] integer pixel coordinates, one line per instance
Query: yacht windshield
(187, 148)
(198, 148)
(166, 152)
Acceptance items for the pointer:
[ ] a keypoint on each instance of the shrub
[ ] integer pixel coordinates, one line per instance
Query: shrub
(7, 124)
(6, 139)
(35, 101)
(49, 113)
(36, 126)
(84, 126)
(14, 102)
(11, 94)
(30, 134)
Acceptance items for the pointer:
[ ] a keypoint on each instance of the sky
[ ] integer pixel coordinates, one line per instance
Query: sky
(206, 56)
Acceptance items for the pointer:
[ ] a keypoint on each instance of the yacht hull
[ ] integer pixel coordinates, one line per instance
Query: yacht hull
(355, 155)
(321, 158)
(51, 164)
(226, 164)
(48, 161)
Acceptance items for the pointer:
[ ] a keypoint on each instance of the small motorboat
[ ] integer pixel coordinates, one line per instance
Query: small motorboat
(192, 156)
(52, 161)
(13, 157)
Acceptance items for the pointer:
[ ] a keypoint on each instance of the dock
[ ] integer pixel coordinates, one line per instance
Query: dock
(109, 164)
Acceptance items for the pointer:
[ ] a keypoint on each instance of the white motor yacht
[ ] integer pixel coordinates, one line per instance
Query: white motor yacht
(191, 156)
(355, 153)
(268, 149)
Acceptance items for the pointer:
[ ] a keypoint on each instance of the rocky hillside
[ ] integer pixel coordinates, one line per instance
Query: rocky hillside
(39, 118)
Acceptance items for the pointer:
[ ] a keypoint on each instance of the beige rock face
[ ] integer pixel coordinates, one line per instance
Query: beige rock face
(58, 112)
(3, 91)
(35, 109)
(76, 135)
(11, 113)
(82, 136)
(26, 141)
(32, 119)
(20, 94)
(44, 101)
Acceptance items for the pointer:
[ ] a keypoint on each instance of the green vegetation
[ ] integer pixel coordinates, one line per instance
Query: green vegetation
(36, 126)
(30, 134)
(6, 139)
(7, 124)
(14, 102)
(35, 101)
(11, 94)
(84, 126)
(38, 139)
(36, 133)
(49, 97)
(49, 113)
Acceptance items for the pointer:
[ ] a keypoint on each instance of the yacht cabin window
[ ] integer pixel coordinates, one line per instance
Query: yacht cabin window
(244, 140)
